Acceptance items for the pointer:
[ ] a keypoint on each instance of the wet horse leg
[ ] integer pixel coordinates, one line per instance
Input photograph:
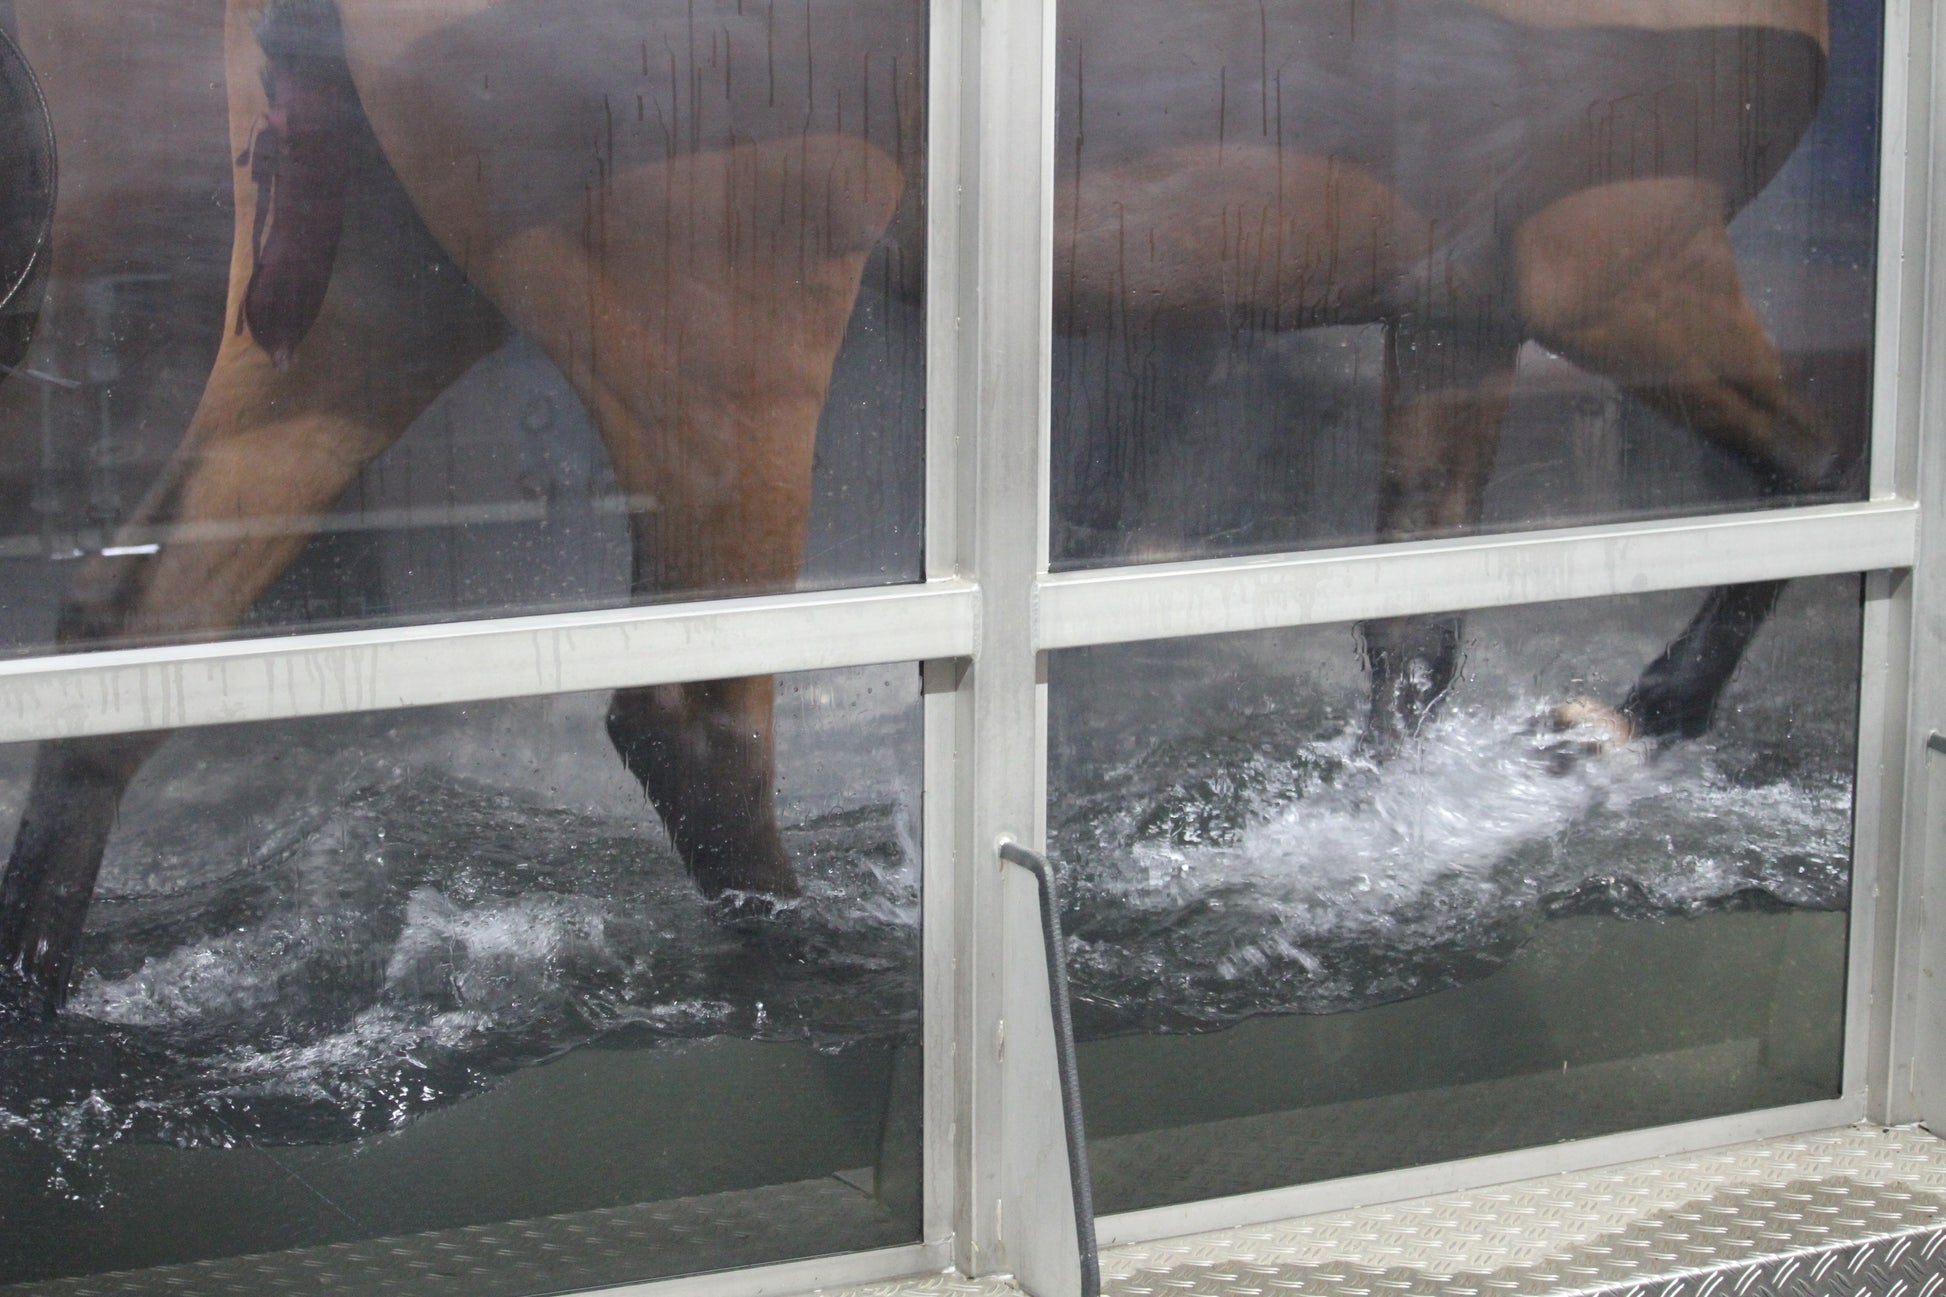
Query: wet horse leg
(190, 587)
(705, 361)
(1637, 281)
(269, 447)
(1445, 396)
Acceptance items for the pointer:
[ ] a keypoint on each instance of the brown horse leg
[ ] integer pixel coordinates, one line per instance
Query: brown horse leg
(50, 878)
(270, 447)
(705, 368)
(1637, 281)
(1446, 391)
(189, 588)
(239, 527)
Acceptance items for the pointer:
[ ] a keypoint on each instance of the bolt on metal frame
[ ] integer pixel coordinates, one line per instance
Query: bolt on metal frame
(988, 612)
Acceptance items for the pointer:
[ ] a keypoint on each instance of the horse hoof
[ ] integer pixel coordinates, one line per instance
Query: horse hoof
(750, 913)
(1592, 720)
(1579, 729)
(24, 1000)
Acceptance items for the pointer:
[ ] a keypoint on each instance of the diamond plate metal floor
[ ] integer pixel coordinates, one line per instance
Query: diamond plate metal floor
(1848, 1213)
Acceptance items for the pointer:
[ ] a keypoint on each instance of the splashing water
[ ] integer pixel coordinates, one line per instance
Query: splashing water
(431, 936)
(1252, 884)
(423, 935)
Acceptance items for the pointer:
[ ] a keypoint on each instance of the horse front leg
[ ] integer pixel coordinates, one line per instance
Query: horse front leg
(50, 877)
(236, 504)
(1445, 395)
(1637, 282)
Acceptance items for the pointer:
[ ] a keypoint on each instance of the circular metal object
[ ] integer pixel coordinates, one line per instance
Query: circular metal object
(27, 188)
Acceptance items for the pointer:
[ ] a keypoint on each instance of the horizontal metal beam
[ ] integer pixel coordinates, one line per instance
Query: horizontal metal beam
(123, 690)
(1168, 600)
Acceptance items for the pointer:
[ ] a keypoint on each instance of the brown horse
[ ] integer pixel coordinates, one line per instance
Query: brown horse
(676, 203)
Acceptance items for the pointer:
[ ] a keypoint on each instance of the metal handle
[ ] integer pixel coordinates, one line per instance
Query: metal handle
(1080, 1183)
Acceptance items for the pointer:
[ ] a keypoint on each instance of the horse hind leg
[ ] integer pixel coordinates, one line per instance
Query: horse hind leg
(1637, 281)
(705, 362)
(1445, 398)
(273, 442)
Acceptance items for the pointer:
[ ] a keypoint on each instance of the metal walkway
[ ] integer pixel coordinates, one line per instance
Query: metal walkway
(1847, 1213)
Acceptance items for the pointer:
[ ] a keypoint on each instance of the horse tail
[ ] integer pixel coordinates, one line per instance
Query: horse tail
(300, 159)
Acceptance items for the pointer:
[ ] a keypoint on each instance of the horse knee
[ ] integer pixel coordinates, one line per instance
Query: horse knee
(1804, 452)
(707, 771)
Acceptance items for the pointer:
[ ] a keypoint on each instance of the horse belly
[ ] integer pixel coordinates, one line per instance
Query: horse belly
(1265, 240)
(505, 117)
(1440, 126)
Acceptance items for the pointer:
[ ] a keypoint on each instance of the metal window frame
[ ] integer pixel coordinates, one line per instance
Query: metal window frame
(988, 612)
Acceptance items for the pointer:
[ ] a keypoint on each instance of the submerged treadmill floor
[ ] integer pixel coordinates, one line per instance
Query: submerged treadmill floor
(1859, 1210)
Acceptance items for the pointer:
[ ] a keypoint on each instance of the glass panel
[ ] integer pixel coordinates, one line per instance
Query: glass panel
(507, 281)
(1357, 270)
(1304, 947)
(406, 975)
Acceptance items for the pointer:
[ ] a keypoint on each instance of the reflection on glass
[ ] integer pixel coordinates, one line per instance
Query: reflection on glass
(1295, 958)
(483, 308)
(389, 976)
(1374, 269)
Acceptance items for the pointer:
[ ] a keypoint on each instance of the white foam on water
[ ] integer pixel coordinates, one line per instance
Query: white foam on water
(1358, 886)
(500, 955)
(1440, 819)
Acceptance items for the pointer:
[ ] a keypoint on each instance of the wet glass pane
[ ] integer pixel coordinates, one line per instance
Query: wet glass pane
(1305, 947)
(1355, 270)
(398, 313)
(438, 978)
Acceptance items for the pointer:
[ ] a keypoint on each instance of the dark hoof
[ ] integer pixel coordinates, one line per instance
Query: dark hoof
(24, 999)
(751, 913)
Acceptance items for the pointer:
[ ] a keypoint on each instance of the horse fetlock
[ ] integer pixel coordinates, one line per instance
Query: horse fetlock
(708, 776)
(1667, 712)
(34, 978)
(1677, 696)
